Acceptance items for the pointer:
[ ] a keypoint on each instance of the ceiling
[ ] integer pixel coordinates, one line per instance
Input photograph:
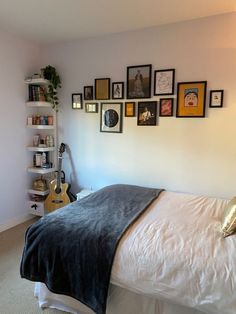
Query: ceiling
(50, 21)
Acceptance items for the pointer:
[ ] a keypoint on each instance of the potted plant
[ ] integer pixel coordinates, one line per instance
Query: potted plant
(50, 74)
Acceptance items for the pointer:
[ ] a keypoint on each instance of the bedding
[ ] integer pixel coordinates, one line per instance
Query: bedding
(79, 241)
(172, 260)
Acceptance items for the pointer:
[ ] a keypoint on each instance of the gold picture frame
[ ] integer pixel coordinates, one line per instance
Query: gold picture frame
(191, 99)
(102, 89)
(130, 109)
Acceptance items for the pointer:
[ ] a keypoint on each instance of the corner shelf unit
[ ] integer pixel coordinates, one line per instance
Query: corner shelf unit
(35, 199)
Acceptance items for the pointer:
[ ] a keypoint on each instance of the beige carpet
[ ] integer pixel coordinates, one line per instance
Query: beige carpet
(16, 294)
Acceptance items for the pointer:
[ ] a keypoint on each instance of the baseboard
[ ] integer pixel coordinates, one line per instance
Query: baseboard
(14, 222)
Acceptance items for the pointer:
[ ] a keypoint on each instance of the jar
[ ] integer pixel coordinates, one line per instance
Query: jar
(50, 120)
(29, 120)
(37, 120)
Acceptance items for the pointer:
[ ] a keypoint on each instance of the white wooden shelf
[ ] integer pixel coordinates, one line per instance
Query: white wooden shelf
(41, 170)
(37, 192)
(38, 104)
(37, 81)
(40, 149)
(40, 127)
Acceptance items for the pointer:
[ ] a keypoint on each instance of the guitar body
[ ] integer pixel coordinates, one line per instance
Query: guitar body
(56, 200)
(57, 196)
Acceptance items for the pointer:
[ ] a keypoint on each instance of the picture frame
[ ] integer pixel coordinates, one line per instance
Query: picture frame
(166, 107)
(147, 113)
(77, 101)
(164, 82)
(91, 107)
(118, 90)
(88, 92)
(130, 109)
(216, 98)
(111, 117)
(102, 88)
(191, 99)
(139, 79)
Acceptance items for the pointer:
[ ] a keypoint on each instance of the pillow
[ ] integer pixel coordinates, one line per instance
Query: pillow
(228, 223)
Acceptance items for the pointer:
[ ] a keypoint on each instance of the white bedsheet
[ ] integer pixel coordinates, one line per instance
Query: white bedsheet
(176, 254)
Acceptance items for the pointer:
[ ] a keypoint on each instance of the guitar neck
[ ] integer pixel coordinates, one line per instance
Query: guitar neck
(59, 172)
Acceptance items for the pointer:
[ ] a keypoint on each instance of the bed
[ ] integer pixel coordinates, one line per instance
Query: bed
(171, 260)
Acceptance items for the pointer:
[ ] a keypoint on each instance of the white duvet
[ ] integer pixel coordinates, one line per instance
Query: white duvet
(175, 253)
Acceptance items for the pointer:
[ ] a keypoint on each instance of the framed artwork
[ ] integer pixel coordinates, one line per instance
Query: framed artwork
(147, 113)
(216, 98)
(191, 99)
(166, 107)
(130, 109)
(111, 117)
(88, 92)
(102, 89)
(118, 90)
(139, 81)
(77, 101)
(91, 107)
(164, 81)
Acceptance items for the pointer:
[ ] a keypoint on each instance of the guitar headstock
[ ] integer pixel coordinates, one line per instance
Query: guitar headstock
(62, 149)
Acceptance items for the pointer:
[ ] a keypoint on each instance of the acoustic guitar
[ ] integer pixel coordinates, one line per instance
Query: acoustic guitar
(57, 196)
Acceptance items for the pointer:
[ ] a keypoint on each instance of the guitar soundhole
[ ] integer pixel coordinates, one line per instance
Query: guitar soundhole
(58, 190)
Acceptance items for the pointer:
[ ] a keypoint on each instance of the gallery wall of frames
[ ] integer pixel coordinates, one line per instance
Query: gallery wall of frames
(149, 95)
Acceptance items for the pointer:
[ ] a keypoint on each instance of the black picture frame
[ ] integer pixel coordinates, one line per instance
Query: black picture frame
(118, 90)
(91, 107)
(216, 98)
(164, 82)
(102, 88)
(130, 107)
(111, 117)
(191, 99)
(88, 92)
(147, 113)
(77, 101)
(166, 107)
(139, 78)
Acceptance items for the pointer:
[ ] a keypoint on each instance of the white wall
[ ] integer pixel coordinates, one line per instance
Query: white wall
(18, 58)
(189, 155)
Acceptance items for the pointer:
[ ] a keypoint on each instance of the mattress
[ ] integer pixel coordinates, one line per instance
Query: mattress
(173, 257)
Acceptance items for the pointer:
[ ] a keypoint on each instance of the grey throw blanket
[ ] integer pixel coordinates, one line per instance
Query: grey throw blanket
(72, 249)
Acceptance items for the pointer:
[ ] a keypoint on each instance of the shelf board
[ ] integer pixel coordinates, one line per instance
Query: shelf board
(37, 81)
(43, 193)
(38, 104)
(40, 127)
(40, 149)
(41, 170)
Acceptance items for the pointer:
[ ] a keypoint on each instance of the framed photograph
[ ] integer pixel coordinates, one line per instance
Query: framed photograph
(88, 92)
(118, 90)
(216, 98)
(166, 107)
(147, 113)
(102, 89)
(77, 101)
(111, 117)
(164, 82)
(130, 109)
(91, 107)
(139, 81)
(191, 99)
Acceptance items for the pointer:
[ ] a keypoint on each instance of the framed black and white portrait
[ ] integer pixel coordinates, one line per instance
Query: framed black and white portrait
(139, 81)
(117, 90)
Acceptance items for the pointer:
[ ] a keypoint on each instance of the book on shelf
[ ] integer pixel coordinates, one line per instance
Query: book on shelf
(37, 93)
